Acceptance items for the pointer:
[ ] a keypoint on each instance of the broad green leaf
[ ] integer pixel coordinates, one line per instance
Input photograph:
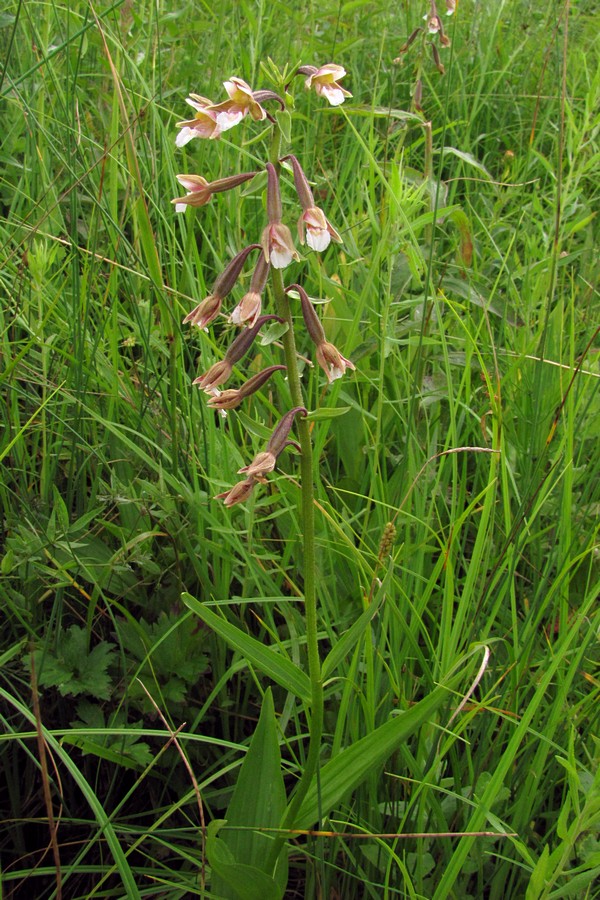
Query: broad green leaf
(241, 882)
(279, 668)
(341, 775)
(259, 798)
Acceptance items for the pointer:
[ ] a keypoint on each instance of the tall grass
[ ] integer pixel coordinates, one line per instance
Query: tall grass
(472, 426)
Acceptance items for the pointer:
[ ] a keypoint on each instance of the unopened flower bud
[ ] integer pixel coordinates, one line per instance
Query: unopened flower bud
(436, 59)
(231, 399)
(273, 195)
(243, 341)
(279, 438)
(305, 195)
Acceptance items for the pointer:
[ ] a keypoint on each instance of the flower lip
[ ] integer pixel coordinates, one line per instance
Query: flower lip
(319, 230)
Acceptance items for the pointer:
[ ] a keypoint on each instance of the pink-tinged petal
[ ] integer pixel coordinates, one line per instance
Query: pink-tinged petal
(332, 362)
(206, 312)
(198, 102)
(181, 207)
(238, 90)
(185, 136)
(332, 93)
(330, 70)
(192, 182)
(318, 239)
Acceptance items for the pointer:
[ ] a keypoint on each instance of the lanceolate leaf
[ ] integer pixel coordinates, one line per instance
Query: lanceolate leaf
(279, 668)
(235, 881)
(341, 775)
(258, 800)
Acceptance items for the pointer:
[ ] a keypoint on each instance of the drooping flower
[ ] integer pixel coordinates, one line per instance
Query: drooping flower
(434, 23)
(332, 362)
(209, 309)
(325, 82)
(216, 375)
(203, 125)
(231, 399)
(249, 308)
(241, 102)
(206, 311)
(261, 465)
(265, 461)
(277, 244)
(319, 231)
(200, 190)
(328, 356)
(238, 493)
(220, 371)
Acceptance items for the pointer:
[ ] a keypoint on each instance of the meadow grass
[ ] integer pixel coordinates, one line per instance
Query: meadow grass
(461, 486)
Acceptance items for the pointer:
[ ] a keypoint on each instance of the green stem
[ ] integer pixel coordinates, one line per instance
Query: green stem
(310, 594)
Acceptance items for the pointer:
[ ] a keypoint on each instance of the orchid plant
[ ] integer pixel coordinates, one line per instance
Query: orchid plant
(276, 250)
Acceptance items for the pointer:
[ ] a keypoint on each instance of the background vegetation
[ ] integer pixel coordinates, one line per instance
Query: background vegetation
(472, 425)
